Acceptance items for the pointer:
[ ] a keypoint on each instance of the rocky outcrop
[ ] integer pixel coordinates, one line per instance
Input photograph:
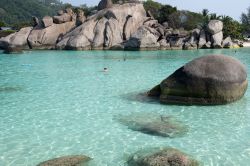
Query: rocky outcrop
(227, 43)
(214, 26)
(118, 26)
(80, 17)
(213, 79)
(108, 28)
(161, 157)
(17, 41)
(47, 21)
(46, 38)
(144, 39)
(215, 29)
(103, 4)
(202, 39)
(66, 161)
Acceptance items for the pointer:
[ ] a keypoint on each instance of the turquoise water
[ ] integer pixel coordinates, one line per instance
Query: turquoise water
(56, 103)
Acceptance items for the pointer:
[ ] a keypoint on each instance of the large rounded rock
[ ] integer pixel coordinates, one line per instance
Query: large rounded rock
(212, 79)
(215, 26)
(75, 160)
(161, 157)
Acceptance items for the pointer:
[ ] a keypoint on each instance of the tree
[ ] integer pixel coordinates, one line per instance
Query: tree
(231, 28)
(165, 11)
(2, 24)
(153, 7)
(245, 20)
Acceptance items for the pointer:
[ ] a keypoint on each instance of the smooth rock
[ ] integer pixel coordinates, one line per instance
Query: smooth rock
(103, 4)
(47, 21)
(215, 26)
(142, 39)
(65, 17)
(176, 43)
(227, 43)
(80, 17)
(217, 40)
(202, 39)
(46, 38)
(107, 28)
(16, 41)
(164, 45)
(60, 12)
(208, 80)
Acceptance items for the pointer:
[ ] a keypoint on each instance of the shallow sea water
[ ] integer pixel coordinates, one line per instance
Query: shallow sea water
(56, 103)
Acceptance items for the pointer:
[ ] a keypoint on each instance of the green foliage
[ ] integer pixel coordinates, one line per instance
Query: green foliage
(185, 19)
(6, 33)
(2, 24)
(231, 28)
(153, 7)
(164, 12)
(245, 19)
(18, 11)
(20, 25)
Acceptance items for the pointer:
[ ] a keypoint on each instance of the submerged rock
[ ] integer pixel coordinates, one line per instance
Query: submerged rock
(76, 160)
(161, 157)
(212, 79)
(156, 125)
(5, 89)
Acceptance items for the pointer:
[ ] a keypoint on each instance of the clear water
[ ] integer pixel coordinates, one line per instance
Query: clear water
(56, 103)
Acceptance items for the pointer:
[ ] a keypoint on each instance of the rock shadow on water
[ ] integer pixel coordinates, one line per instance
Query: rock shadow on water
(161, 157)
(156, 125)
(141, 97)
(9, 89)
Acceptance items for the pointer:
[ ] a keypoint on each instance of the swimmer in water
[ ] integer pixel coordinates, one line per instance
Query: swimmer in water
(105, 69)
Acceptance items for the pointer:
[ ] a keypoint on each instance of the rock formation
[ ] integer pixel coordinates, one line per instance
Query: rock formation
(103, 4)
(212, 79)
(161, 157)
(108, 28)
(47, 21)
(66, 161)
(17, 41)
(116, 26)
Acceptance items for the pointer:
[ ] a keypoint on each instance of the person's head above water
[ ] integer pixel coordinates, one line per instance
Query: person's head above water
(105, 69)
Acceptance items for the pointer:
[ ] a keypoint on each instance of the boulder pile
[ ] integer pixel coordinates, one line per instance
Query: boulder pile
(114, 26)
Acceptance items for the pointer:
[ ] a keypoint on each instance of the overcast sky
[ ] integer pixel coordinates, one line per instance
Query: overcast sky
(232, 8)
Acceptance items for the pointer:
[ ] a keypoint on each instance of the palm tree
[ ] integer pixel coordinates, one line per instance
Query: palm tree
(205, 12)
(213, 16)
